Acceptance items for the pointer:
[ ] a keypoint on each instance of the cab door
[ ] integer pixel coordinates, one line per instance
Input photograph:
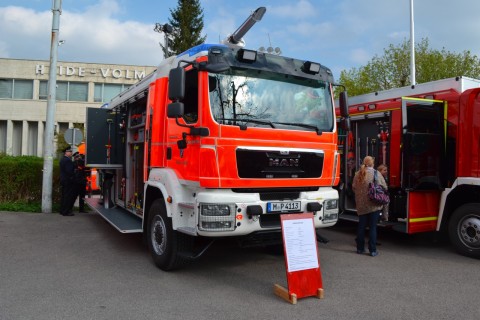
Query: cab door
(423, 161)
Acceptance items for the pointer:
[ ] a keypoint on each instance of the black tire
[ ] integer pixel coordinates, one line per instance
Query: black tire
(169, 248)
(464, 230)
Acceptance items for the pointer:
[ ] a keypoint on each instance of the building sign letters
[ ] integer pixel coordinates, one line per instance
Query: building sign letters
(103, 72)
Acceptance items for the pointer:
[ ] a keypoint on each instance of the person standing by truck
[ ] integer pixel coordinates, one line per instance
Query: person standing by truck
(368, 212)
(80, 180)
(66, 180)
(383, 169)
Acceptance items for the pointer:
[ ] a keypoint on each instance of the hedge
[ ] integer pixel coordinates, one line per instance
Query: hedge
(21, 179)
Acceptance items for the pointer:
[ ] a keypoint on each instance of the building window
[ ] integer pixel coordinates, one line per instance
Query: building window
(16, 89)
(106, 91)
(66, 91)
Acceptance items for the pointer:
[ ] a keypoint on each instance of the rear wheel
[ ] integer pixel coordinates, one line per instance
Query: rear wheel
(464, 230)
(169, 248)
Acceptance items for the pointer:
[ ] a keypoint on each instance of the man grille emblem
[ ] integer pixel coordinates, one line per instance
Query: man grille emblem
(278, 162)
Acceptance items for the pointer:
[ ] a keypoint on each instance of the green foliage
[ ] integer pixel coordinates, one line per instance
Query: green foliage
(392, 70)
(21, 206)
(21, 180)
(187, 23)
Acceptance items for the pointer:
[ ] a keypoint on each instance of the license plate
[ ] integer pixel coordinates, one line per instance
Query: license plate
(285, 206)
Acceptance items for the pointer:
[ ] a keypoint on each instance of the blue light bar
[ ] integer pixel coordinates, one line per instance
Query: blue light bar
(202, 47)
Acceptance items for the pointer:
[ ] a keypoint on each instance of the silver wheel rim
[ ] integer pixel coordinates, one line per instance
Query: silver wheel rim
(158, 235)
(469, 231)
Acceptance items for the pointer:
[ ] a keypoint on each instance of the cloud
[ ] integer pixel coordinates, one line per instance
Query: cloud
(399, 36)
(360, 56)
(19, 20)
(312, 30)
(219, 28)
(22, 30)
(90, 36)
(299, 10)
(345, 33)
(3, 49)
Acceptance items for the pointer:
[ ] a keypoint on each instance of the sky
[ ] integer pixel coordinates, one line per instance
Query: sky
(340, 34)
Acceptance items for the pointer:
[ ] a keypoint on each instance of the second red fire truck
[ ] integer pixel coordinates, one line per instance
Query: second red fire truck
(429, 136)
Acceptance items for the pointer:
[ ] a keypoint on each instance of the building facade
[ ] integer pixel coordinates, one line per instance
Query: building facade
(24, 92)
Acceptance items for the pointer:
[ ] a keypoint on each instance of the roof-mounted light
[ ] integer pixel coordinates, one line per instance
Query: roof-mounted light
(247, 55)
(216, 50)
(311, 67)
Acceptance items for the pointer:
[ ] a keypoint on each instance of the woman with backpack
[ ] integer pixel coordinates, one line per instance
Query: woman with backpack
(368, 211)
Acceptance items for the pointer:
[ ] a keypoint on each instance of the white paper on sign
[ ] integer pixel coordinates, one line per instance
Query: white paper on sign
(300, 244)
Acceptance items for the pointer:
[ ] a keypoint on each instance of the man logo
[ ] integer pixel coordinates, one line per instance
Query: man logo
(276, 162)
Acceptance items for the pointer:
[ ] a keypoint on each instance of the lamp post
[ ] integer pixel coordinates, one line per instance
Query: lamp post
(51, 106)
(412, 46)
(166, 29)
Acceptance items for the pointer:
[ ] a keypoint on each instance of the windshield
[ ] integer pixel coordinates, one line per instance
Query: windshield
(248, 98)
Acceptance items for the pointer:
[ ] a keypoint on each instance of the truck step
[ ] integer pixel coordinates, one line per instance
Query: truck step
(381, 224)
(122, 220)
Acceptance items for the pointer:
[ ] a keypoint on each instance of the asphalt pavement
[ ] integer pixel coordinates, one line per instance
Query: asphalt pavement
(55, 267)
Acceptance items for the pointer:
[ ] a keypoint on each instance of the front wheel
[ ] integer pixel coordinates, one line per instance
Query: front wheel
(167, 246)
(464, 230)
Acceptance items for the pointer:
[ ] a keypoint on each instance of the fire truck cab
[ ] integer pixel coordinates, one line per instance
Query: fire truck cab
(218, 142)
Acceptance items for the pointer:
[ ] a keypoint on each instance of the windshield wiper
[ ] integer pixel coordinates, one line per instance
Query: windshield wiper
(303, 125)
(270, 123)
(243, 127)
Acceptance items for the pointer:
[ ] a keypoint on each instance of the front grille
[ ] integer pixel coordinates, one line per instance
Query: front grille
(268, 196)
(261, 239)
(278, 164)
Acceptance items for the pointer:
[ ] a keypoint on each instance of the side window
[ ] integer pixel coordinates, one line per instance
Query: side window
(66, 91)
(16, 89)
(191, 97)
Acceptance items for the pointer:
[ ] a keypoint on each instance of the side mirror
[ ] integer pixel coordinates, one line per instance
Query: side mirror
(176, 84)
(345, 123)
(175, 110)
(343, 99)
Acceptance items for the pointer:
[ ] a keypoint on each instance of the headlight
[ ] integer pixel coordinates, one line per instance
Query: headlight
(330, 214)
(331, 204)
(215, 210)
(217, 217)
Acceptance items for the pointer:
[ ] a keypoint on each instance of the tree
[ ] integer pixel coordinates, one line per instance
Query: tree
(187, 23)
(392, 70)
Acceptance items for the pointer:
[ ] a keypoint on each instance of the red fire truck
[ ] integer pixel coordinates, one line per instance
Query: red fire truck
(217, 142)
(429, 136)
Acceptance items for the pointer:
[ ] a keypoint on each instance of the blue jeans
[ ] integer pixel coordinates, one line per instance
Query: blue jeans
(371, 219)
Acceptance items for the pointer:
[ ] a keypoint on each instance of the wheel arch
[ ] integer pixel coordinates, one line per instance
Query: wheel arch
(152, 193)
(460, 195)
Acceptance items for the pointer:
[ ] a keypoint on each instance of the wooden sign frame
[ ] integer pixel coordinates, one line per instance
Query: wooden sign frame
(304, 277)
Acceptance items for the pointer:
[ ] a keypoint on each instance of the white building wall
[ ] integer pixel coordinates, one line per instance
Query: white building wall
(22, 121)
(41, 132)
(9, 138)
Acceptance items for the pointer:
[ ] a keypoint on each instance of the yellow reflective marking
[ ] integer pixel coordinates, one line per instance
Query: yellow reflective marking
(422, 219)
(420, 99)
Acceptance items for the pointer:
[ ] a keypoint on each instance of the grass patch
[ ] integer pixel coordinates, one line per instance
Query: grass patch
(19, 206)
